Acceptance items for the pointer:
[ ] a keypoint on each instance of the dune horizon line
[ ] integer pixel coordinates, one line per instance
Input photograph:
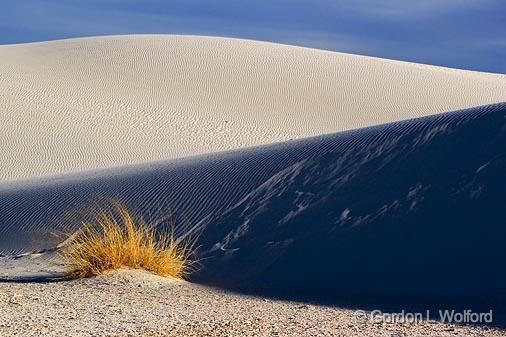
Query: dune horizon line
(249, 40)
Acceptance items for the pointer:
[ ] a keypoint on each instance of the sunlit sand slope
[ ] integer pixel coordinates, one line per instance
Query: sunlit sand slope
(98, 102)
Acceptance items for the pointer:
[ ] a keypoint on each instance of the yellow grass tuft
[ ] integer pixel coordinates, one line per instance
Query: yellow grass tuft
(115, 239)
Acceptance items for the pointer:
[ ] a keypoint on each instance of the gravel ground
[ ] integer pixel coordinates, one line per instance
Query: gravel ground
(136, 303)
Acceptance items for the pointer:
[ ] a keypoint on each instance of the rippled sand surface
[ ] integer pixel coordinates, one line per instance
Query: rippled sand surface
(88, 103)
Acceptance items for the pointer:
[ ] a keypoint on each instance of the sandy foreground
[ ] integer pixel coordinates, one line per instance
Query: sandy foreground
(137, 303)
(83, 104)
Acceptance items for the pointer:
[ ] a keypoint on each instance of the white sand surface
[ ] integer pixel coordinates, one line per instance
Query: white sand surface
(81, 104)
(136, 303)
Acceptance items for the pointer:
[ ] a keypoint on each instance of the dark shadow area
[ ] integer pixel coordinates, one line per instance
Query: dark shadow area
(35, 279)
(410, 217)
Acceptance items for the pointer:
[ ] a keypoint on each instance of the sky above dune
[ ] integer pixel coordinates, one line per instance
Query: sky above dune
(468, 34)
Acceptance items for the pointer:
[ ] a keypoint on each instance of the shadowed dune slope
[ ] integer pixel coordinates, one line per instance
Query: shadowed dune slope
(411, 208)
(408, 207)
(82, 104)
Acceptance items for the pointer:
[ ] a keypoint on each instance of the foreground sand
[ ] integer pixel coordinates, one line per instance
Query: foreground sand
(136, 303)
(90, 103)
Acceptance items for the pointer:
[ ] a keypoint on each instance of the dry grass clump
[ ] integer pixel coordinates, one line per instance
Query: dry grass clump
(114, 238)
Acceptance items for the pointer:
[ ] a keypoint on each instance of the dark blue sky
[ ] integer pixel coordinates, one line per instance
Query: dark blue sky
(469, 34)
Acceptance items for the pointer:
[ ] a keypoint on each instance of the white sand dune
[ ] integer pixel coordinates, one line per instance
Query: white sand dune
(427, 191)
(81, 104)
